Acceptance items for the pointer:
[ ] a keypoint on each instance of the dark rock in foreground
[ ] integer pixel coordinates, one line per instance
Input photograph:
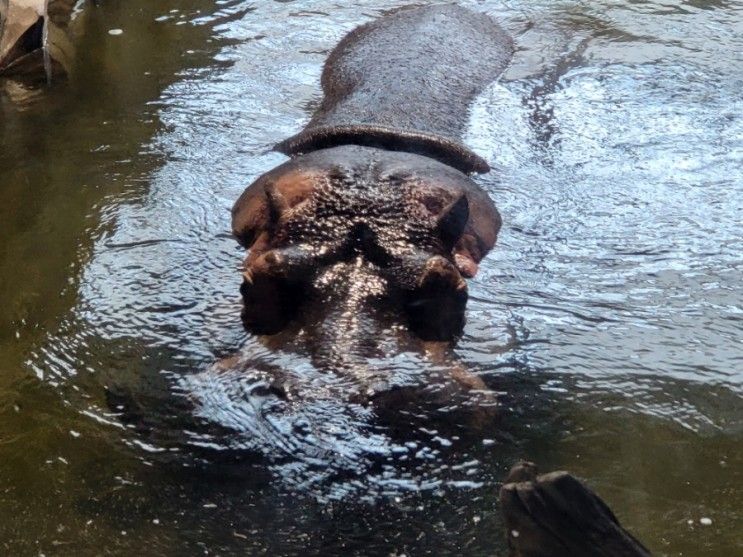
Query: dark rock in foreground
(555, 515)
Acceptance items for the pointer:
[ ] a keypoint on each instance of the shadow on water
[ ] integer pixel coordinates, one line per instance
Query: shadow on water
(606, 322)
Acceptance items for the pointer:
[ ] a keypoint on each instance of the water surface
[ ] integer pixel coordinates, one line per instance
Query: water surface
(608, 320)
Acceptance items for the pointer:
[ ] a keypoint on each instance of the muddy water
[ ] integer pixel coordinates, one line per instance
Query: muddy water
(609, 320)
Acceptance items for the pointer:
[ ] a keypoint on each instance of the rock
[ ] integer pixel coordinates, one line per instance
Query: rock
(555, 515)
(33, 37)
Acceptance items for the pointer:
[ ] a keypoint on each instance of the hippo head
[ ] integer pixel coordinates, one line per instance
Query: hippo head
(415, 226)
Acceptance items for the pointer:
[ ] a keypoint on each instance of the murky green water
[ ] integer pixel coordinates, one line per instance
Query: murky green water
(609, 318)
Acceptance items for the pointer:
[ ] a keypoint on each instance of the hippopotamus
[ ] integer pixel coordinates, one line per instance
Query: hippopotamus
(359, 249)
(374, 223)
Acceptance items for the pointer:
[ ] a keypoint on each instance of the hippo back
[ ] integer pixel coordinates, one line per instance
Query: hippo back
(405, 82)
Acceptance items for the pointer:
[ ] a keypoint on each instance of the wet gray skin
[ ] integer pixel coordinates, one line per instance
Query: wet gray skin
(607, 318)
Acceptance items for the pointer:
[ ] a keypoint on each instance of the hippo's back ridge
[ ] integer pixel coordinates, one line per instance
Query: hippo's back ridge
(406, 81)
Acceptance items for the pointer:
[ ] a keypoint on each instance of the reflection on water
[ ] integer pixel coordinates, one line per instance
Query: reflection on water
(607, 322)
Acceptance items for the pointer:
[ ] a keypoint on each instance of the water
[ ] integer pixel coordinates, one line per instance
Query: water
(608, 321)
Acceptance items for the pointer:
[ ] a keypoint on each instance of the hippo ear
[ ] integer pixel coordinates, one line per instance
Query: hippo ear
(452, 220)
(277, 204)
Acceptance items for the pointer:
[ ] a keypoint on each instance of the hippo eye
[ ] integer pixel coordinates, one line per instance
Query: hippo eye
(337, 174)
(434, 205)
(396, 177)
(430, 199)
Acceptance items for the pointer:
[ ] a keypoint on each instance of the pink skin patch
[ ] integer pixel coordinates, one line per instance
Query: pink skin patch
(466, 265)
